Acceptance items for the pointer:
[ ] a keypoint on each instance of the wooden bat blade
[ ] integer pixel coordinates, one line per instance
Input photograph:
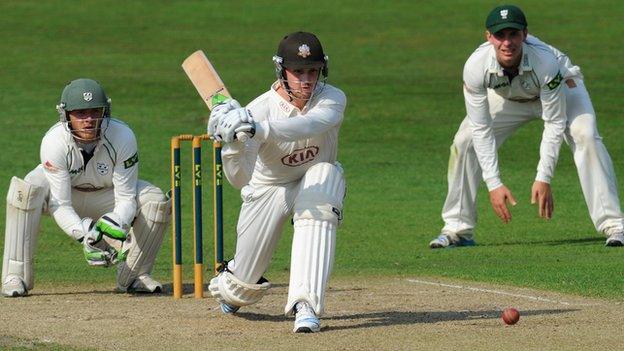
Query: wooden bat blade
(205, 79)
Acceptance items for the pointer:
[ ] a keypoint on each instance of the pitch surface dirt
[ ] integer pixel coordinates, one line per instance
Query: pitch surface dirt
(402, 313)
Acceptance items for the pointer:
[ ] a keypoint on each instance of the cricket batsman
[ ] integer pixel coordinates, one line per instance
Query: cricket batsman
(88, 181)
(509, 80)
(286, 170)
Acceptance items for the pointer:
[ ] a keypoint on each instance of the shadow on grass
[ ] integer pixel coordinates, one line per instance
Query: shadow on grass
(582, 241)
(390, 318)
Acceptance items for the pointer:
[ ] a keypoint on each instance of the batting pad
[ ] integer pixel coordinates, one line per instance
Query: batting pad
(313, 247)
(149, 226)
(321, 193)
(23, 214)
(227, 288)
(317, 213)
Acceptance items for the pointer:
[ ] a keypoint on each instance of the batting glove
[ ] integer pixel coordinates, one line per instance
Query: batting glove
(217, 113)
(235, 121)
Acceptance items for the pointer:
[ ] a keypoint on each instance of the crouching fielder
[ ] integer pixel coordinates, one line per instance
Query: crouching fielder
(88, 181)
(286, 169)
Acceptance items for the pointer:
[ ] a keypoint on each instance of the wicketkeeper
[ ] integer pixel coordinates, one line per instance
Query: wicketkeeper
(510, 80)
(88, 181)
(287, 170)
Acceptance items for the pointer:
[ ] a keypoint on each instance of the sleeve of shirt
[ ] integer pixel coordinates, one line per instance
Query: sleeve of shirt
(125, 178)
(238, 161)
(554, 116)
(477, 109)
(327, 114)
(56, 169)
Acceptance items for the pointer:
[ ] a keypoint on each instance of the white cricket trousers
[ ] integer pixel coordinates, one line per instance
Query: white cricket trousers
(263, 213)
(266, 208)
(593, 164)
(97, 203)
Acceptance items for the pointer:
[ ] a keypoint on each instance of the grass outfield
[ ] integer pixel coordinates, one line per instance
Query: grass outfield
(400, 65)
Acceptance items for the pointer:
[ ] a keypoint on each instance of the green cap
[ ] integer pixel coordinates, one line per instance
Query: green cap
(83, 93)
(505, 16)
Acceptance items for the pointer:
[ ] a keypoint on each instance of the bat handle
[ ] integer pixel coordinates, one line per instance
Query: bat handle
(244, 136)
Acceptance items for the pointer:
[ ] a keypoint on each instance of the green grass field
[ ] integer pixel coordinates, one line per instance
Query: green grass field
(400, 64)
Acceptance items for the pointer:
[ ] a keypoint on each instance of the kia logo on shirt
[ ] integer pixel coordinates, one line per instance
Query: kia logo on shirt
(300, 156)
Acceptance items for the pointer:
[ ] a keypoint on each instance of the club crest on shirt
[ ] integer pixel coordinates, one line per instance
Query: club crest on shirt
(102, 168)
(525, 84)
(300, 156)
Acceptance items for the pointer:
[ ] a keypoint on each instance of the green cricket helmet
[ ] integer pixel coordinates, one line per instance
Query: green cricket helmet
(80, 94)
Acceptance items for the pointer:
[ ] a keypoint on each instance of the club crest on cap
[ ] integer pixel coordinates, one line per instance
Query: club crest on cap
(304, 51)
(504, 13)
(87, 96)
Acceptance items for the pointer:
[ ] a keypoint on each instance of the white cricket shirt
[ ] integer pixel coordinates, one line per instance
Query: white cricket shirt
(114, 165)
(287, 141)
(539, 78)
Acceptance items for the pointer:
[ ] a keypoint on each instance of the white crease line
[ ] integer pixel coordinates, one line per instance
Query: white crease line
(534, 298)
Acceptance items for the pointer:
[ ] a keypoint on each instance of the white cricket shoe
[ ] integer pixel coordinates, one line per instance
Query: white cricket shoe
(142, 284)
(306, 320)
(227, 308)
(615, 239)
(14, 286)
(444, 241)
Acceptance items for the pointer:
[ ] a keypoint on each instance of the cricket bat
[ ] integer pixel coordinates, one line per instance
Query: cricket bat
(207, 82)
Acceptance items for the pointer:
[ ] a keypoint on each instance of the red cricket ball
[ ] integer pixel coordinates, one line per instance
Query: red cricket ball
(511, 316)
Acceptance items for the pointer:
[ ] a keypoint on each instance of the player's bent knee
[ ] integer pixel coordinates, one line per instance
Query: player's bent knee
(148, 230)
(37, 177)
(584, 131)
(321, 194)
(225, 287)
(147, 192)
(462, 141)
(153, 204)
(157, 211)
(24, 195)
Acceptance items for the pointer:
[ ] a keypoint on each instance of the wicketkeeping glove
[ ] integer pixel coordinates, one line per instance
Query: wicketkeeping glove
(111, 226)
(95, 253)
(100, 254)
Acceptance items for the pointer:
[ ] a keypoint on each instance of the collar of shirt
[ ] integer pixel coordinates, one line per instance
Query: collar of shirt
(496, 68)
(285, 106)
